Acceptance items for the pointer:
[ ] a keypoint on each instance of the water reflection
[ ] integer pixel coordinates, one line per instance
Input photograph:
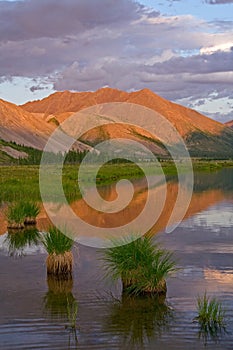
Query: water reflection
(139, 320)
(60, 304)
(211, 333)
(58, 297)
(209, 189)
(18, 241)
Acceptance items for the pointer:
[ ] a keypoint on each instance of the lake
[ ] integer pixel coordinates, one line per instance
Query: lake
(34, 310)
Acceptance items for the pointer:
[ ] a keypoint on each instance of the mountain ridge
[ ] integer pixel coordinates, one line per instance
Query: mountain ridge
(33, 122)
(66, 101)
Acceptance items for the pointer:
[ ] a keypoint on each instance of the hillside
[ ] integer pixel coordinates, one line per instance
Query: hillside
(204, 137)
(25, 128)
(22, 127)
(229, 124)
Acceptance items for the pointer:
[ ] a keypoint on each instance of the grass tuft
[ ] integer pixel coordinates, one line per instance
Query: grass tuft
(56, 242)
(141, 264)
(210, 311)
(60, 259)
(15, 215)
(22, 213)
(31, 210)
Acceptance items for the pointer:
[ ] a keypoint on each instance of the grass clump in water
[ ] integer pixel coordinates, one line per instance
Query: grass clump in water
(15, 216)
(211, 319)
(22, 213)
(31, 210)
(210, 311)
(60, 259)
(141, 264)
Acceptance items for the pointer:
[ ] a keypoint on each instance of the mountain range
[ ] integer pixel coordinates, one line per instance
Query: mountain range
(32, 123)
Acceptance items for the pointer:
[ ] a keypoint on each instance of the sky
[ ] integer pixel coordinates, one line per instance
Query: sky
(180, 49)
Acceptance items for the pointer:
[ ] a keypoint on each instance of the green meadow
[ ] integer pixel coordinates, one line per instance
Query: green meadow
(18, 182)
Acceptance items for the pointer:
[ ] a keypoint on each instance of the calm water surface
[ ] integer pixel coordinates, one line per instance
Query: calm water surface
(33, 312)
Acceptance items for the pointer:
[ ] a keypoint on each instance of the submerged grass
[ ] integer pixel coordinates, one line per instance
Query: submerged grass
(141, 264)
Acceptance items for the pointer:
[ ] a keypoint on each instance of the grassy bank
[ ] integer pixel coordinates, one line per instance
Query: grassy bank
(19, 182)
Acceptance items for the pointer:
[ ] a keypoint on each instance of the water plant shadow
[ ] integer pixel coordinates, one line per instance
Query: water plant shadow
(139, 319)
(18, 239)
(211, 333)
(61, 305)
(210, 318)
(58, 297)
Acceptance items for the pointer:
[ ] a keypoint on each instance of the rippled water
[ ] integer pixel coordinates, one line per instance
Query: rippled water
(33, 313)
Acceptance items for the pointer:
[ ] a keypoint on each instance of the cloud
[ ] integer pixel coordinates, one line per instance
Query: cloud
(37, 88)
(176, 78)
(86, 44)
(219, 2)
(221, 117)
(227, 47)
(23, 20)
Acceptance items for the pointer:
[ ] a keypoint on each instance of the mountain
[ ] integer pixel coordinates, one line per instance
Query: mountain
(24, 128)
(203, 136)
(229, 124)
(32, 123)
